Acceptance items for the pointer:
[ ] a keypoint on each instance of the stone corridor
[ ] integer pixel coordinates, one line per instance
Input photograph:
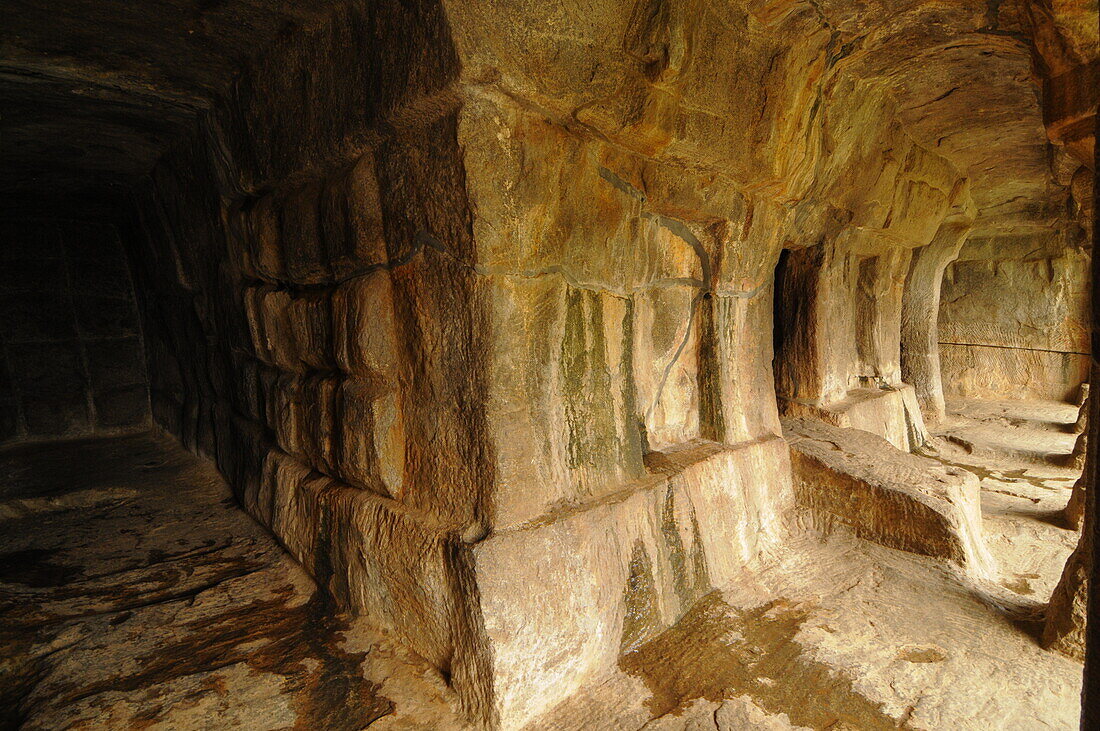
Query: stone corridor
(135, 593)
(502, 364)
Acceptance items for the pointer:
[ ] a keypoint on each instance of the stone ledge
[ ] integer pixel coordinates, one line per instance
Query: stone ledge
(518, 621)
(563, 596)
(891, 413)
(887, 496)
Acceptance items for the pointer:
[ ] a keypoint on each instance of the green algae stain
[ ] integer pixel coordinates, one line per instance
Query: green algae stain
(586, 383)
(642, 615)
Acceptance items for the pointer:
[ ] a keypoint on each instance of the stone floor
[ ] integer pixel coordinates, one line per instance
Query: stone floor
(839, 633)
(133, 593)
(1015, 448)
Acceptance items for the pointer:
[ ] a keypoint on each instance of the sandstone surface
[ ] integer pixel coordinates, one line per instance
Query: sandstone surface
(489, 310)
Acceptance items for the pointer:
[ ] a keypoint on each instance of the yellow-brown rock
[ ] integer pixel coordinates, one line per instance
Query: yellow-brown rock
(489, 309)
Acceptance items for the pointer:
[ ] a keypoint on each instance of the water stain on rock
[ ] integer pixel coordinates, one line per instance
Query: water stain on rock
(716, 652)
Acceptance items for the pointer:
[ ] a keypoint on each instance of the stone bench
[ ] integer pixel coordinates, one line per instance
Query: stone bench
(887, 496)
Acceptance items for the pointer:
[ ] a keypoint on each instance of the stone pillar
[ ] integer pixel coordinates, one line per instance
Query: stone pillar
(920, 350)
(1066, 614)
(630, 414)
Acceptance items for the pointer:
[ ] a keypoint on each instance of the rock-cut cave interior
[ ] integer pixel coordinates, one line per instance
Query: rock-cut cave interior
(548, 364)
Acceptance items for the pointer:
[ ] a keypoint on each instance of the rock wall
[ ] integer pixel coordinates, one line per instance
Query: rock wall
(477, 314)
(71, 360)
(1014, 319)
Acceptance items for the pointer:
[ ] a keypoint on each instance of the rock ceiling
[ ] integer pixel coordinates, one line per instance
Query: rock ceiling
(965, 79)
(93, 91)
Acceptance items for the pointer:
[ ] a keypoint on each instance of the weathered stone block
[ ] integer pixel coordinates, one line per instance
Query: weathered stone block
(891, 413)
(738, 384)
(986, 372)
(364, 326)
(286, 407)
(370, 429)
(318, 429)
(351, 220)
(304, 252)
(265, 252)
(622, 241)
(384, 562)
(901, 500)
(310, 319)
(278, 337)
(305, 423)
(520, 620)
(998, 342)
(561, 409)
(562, 596)
(666, 371)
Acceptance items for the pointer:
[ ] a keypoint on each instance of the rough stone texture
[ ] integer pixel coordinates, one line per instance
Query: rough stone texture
(205, 622)
(71, 360)
(900, 500)
(134, 594)
(838, 633)
(439, 284)
(1018, 449)
(997, 342)
(1067, 612)
(1021, 450)
(920, 351)
(439, 357)
(624, 568)
(889, 412)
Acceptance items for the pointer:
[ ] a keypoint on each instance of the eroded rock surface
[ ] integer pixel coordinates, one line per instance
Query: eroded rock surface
(488, 311)
(884, 495)
(1019, 449)
(137, 594)
(880, 639)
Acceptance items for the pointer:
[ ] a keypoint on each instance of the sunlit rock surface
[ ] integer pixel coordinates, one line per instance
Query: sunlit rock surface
(900, 500)
(488, 311)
